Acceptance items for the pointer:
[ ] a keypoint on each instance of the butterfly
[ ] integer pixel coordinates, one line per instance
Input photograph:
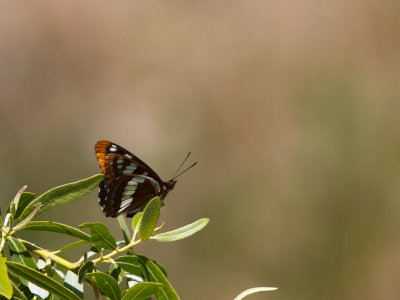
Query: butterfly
(128, 183)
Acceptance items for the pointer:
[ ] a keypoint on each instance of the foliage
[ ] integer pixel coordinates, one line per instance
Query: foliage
(30, 271)
(110, 267)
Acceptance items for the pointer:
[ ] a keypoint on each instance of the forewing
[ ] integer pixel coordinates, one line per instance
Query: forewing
(102, 149)
(117, 165)
(106, 151)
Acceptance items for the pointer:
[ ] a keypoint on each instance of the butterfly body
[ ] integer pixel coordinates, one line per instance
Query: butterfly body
(129, 183)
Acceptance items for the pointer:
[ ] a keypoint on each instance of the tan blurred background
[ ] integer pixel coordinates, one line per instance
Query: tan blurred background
(291, 108)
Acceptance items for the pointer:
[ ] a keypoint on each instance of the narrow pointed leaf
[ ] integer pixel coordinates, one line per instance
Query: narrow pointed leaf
(142, 290)
(17, 293)
(130, 264)
(149, 219)
(73, 245)
(64, 194)
(136, 219)
(14, 203)
(5, 283)
(29, 218)
(59, 272)
(107, 284)
(41, 280)
(254, 290)
(57, 227)
(100, 235)
(143, 261)
(116, 272)
(20, 254)
(182, 232)
(25, 199)
(124, 228)
(167, 292)
(86, 268)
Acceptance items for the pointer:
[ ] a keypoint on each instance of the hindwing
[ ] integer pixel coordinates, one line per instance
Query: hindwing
(128, 182)
(127, 194)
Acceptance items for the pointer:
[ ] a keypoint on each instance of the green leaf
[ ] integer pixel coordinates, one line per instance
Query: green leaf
(130, 264)
(124, 228)
(116, 272)
(100, 235)
(142, 290)
(16, 283)
(21, 200)
(167, 291)
(72, 245)
(143, 261)
(17, 293)
(24, 200)
(14, 204)
(5, 283)
(57, 227)
(107, 284)
(182, 232)
(59, 272)
(63, 194)
(29, 218)
(41, 280)
(136, 219)
(85, 268)
(254, 290)
(149, 219)
(20, 254)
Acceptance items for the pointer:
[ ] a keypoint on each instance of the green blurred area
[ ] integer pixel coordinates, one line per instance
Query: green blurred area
(290, 108)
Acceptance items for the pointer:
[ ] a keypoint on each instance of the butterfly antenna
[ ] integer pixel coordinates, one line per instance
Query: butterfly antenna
(180, 166)
(184, 170)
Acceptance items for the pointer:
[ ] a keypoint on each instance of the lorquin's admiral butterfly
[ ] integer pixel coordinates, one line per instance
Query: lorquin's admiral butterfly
(128, 184)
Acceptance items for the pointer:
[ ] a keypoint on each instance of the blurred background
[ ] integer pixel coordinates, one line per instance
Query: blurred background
(291, 109)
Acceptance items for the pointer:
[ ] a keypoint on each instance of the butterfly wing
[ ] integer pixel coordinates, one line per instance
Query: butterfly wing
(105, 148)
(116, 165)
(127, 194)
(128, 184)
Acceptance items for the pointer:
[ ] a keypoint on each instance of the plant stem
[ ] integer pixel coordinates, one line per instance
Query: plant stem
(5, 231)
(116, 251)
(45, 254)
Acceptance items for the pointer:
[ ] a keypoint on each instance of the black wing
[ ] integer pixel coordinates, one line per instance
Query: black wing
(128, 183)
(125, 161)
(127, 194)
